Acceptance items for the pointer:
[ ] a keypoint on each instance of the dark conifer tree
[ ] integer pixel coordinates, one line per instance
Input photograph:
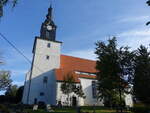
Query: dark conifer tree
(141, 80)
(115, 67)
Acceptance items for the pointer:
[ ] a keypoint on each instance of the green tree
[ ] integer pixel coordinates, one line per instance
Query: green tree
(113, 65)
(19, 94)
(79, 91)
(114, 100)
(14, 94)
(141, 82)
(10, 94)
(5, 80)
(11, 91)
(4, 3)
(68, 85)
(148, 3)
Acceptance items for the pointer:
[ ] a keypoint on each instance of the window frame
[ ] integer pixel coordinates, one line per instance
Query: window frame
(47, 57)
(94, 89)
(42, 93)
(48, 45)
(45, 79)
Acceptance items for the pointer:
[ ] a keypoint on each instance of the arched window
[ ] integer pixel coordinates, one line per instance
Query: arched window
(94, 89)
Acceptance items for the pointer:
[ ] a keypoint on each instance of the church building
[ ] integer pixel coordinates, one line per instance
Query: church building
(49, 66)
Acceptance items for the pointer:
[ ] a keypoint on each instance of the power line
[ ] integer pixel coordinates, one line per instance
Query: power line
(12, 45)
(26, 58)
(21, 53)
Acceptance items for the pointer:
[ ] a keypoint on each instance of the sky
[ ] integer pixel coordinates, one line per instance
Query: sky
(80, 23)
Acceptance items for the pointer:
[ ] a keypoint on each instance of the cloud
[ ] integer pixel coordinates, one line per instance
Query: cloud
(135, 37)
(132, 38)
(133, 19)
(18, 83)
(87, 54)
(14, 57)
(18, 72)
(136, 33)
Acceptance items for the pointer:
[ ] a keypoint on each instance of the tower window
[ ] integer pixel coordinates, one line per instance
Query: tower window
(47, 57)
(45, 79)
(48, 45)
(41, 93)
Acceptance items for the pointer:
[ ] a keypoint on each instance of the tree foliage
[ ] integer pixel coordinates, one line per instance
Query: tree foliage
(5, 80)
(4, 3)
(79, 91)
(69, 86)
(12, 95)
(148, 3)
(114, 100)
(115, 69)
(19, 94)
(141, 81)
(11, 91)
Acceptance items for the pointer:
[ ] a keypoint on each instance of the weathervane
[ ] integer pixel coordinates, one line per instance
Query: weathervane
(51, 3)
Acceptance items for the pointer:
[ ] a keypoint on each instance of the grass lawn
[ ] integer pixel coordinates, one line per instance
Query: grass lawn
(73, 110)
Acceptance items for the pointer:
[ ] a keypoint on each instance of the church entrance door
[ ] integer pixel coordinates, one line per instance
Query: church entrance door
(74, 101)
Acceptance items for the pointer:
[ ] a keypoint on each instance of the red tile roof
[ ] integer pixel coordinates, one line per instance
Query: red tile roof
(71, 64)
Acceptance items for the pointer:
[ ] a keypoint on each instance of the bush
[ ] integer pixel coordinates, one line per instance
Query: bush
(140, 108)
(37, 111)
(4, 109)
(41, 105)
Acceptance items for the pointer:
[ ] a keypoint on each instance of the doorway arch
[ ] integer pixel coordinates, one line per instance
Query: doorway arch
(74, 101)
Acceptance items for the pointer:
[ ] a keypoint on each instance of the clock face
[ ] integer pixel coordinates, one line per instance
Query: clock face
(49, 27)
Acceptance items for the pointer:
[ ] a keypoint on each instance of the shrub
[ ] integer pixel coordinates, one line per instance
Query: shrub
(4, 109)
(41, 105)
(140, 108)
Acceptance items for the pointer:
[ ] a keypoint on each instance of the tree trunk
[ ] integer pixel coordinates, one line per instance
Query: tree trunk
(120, 100)
(68, 100)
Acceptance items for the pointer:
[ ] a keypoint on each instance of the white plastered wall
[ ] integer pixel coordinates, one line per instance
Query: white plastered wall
(26, 87)
(62, 97)
(43, 67)
(87, 88)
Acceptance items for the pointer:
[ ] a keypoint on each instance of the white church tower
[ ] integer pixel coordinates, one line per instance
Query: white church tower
(40, 83)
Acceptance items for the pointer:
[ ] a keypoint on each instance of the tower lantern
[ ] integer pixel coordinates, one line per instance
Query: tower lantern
(48, 28)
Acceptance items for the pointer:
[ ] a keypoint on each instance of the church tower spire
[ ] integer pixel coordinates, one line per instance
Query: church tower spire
(49, 15)
(48, 28)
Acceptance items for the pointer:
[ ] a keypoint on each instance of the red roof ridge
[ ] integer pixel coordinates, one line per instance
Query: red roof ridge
(78, 58)
(72, 64)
